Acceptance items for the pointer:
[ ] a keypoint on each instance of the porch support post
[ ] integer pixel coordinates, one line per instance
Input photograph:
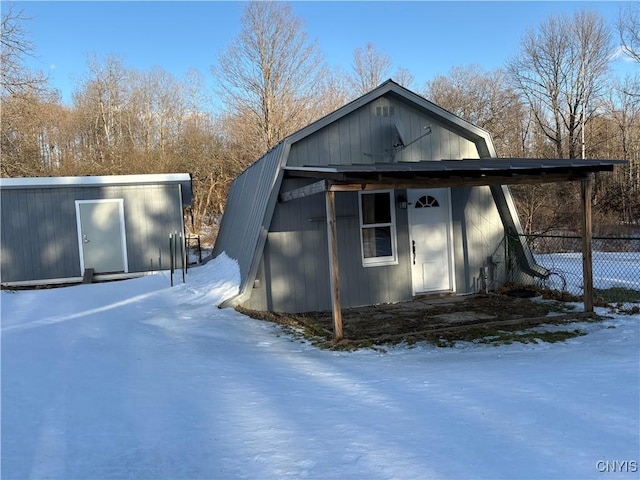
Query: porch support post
(334, 272)
(587, 261)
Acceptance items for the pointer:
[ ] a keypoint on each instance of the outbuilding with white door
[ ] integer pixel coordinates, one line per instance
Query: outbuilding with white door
(66, 229)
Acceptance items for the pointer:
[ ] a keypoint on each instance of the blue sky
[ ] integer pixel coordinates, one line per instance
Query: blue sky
(427, 38)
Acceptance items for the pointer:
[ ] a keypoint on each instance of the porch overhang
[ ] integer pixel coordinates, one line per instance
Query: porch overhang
(452, 173)
(493, 172)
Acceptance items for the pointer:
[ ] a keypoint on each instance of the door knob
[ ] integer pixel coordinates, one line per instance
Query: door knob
(85, 239)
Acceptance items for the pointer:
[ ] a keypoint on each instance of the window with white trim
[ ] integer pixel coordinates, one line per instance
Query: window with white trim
(377, 228)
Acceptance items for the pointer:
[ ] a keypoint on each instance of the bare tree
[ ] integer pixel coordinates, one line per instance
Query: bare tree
(370, 68)
(269, 73)
(629, 30)
(102, 102)
(14, 47)
(486, 100)
(561, 72)
(404, 77)
(332, 92)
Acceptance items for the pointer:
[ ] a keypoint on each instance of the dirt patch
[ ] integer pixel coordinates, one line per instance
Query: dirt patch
(439, 320)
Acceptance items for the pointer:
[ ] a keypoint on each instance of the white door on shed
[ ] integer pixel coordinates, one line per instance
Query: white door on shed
(101, 235)
(431, 239)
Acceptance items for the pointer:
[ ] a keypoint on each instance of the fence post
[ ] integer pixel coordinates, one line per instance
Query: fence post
(183, 250)
(587, 259)
(171, 256)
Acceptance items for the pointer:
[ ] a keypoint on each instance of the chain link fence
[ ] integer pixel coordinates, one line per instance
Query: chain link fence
(616, 268)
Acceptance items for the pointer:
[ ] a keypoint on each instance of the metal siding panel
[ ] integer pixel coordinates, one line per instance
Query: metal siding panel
(324, 149)
(11, 261)
(278, 275)
(345, 141)
(36, 220)
(376, 138)
(402, 274)
(449, 144)
(471, 149)
(293, 156)
(458, 199)
(51, 250)
(355, 150)
(436, 142)
(257, 300)
(364, 119)
(299, 251)
(68, 227)
(24, 239)
(348, 276)
(134, 223)
(309, 264)
(60, 238)
(248, 207)
(305, 152)
(333, 138)
(478, 233)
(313, 151)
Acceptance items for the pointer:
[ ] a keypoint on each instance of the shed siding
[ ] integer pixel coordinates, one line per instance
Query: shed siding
(294, 273)
(365, 136)
(244, 227)
(39, 230)
(478, 239)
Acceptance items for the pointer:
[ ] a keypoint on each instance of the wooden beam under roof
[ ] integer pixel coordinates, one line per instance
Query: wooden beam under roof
(307, 190)
(391, 183)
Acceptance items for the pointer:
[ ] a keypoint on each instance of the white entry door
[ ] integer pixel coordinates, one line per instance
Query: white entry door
(101, 235)
(431, 239)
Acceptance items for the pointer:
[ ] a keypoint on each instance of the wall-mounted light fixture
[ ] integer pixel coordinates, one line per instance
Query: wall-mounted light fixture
(402, 201)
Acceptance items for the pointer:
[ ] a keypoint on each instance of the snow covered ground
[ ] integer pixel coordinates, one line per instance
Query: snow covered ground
(135, 379)
(610, 269)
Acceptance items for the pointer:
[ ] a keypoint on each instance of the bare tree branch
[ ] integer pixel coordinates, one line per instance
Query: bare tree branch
(14, 47)
(269, 73)
(629, 30)
(370, 68)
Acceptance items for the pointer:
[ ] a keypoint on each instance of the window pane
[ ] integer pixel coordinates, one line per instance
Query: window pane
(376, 242)
(376, 208)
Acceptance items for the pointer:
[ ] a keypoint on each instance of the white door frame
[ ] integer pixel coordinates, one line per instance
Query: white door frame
(449, 234)
(123, 238)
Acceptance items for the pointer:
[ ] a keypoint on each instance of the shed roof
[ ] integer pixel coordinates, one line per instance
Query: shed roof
(184, 179)
(485, 171)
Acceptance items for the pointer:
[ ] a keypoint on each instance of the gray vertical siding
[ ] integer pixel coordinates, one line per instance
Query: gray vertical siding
(246, 219)
(294, 272)
(283, 246)
(294, 275)
(364, 137)
(39, 230)
(478, 236)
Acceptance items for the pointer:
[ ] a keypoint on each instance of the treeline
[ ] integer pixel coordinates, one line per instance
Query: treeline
(555, 98)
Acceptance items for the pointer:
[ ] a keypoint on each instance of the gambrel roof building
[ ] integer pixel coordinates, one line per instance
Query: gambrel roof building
(388, 197)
